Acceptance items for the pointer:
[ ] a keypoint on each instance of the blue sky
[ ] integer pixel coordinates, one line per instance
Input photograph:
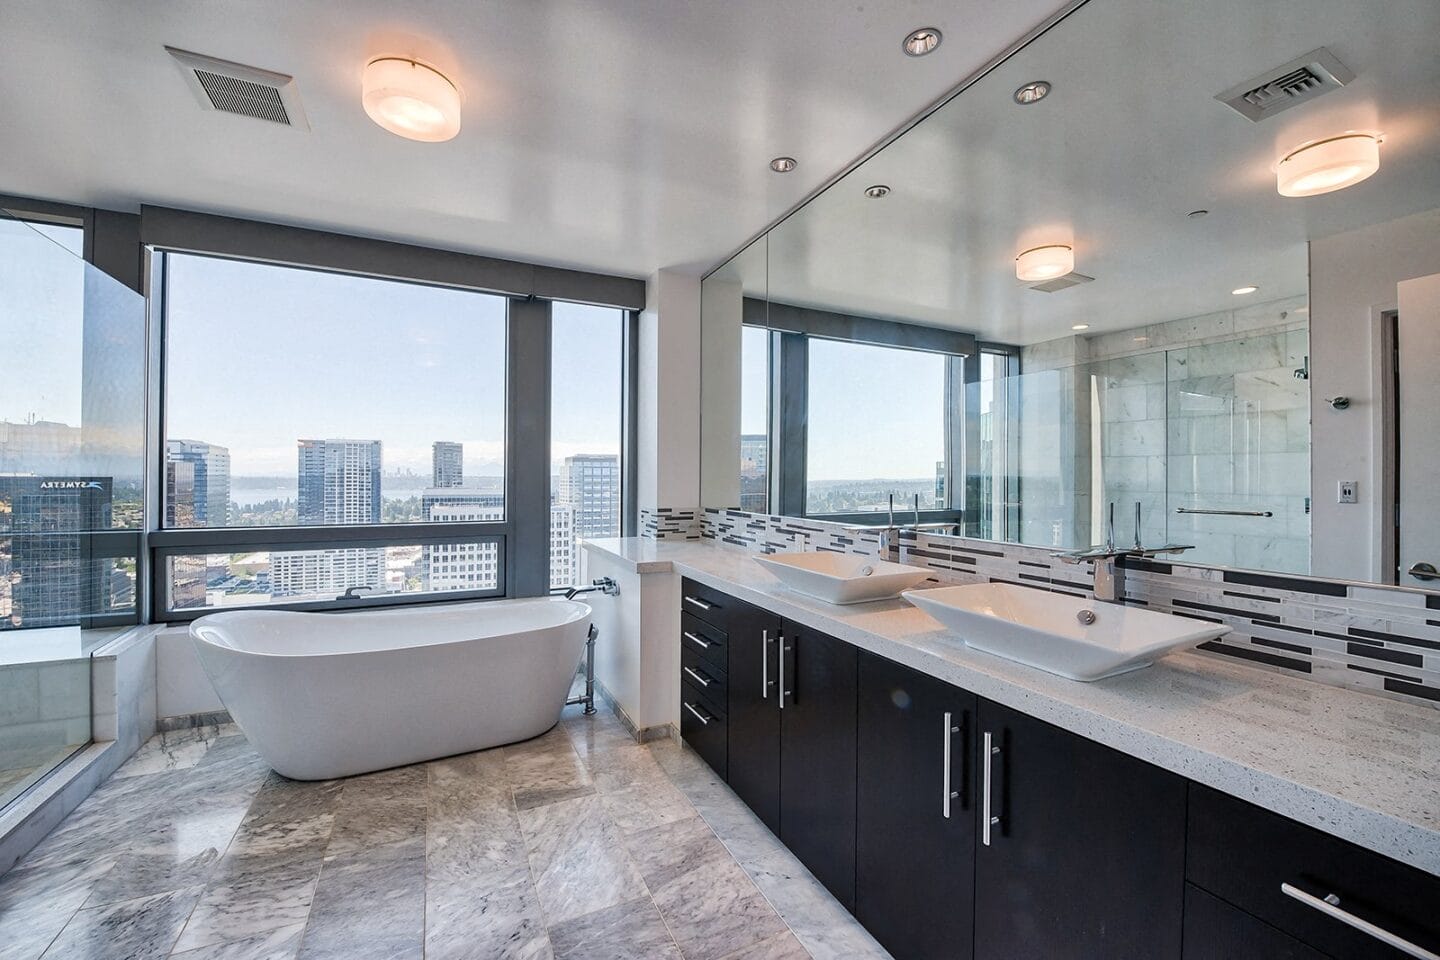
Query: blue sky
(43, 279)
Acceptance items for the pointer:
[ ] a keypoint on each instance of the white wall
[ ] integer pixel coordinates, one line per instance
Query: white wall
(637, 652)
(181, 686)
(1352, 276)
(669, 393)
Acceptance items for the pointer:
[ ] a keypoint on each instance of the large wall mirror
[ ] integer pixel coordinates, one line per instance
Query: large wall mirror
(1229, 314)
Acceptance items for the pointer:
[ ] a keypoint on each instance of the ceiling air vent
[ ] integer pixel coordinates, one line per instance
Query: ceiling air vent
(1071, 279)
(1299, 81)
(235, 88)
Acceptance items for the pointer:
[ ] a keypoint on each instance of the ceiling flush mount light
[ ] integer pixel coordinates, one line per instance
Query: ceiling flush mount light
(1080, 326)
(876, 191)
(1241, 291)
(1032, 92)
(411, 99)
(922, 41)
(783, 164)
(1328, 165)
(1045, 263)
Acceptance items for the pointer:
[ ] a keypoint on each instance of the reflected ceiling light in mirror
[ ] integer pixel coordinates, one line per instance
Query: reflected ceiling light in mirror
(1242, 291)
(783, 164)
(410, 99)
(1045, 263)
(922, 41)
(1080, 326)
(876, 191)
(1032, 92)
(1328, 165)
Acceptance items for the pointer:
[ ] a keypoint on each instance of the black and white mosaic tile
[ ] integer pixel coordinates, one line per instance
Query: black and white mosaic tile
(669, 523)
(1381, 640)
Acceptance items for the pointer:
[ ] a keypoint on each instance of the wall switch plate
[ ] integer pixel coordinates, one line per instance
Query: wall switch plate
(1345, 492)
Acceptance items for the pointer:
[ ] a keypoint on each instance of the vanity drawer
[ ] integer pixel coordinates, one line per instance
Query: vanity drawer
(704, 639)
(703, 727)
(702, 674)
(1243, 855)
(707, 603)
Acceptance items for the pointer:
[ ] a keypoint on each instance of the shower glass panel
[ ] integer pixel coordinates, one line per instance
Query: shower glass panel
(72, 407)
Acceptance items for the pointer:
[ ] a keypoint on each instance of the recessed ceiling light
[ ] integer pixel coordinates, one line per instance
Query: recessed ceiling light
(1141, 339)
(1032, 92)
(410, 99)
(783, 164)
(1045, 263)
(1197, 214)
(1241, 291)
(1080, 326)
(876, 191)
(1328, 165)
(921, 42)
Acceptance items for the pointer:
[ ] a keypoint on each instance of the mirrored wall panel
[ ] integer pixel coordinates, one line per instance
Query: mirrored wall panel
(1196, 290)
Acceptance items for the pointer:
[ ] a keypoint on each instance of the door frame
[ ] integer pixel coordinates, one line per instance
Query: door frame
(1385, 431)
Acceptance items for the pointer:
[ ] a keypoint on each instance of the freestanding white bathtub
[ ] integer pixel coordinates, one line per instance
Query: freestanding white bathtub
(323, 695)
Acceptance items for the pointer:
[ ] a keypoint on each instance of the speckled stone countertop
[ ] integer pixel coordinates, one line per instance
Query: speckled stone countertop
(1360, 767)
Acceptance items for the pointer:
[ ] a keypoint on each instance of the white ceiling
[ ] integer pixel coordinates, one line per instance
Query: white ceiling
(613, 135)
(1128, 142)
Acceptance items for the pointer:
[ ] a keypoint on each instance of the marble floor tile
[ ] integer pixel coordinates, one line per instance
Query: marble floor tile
(184, 853)
(170, 750)
(37, 902)
(628, 931)
(279, 944)
(500, 923)
(546, 770)
(140, 929)
(636, 792)
(782, 947)
(248, 896)
(710, 904)
(597, 734)
(369, 903)
(378, 809)
(825, 928)
(577, 859)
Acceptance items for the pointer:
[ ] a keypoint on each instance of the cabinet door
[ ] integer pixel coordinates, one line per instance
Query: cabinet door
(1087, 858)
(914, 818)
(1214, 930)
(817, 756)
(754, 710)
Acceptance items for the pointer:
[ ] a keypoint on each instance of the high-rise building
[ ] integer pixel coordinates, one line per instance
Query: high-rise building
(754, 471)
(198, 494)
(339, 483)
(590, 489)
(54, 578)
(476, 566)
(447, 464)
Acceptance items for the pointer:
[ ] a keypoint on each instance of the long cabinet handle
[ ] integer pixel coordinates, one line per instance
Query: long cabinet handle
(764, 664)
(1330, 906)
(988, 750)
(698, 715)
(690, 636)
(946, 793)
(781, 660)
(699, 603)
(699, 678)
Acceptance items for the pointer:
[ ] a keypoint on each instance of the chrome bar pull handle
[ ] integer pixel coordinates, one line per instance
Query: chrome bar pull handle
(1330, 906)
(694, 639)
(699, 603)
(988, 749)
(781, 660)
(764, 664)
(1200, 511)
(698, 715)
(698, 677)
(946, 793)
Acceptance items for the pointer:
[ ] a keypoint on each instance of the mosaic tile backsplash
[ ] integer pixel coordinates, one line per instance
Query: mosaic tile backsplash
(670, 523)
(1383, 641)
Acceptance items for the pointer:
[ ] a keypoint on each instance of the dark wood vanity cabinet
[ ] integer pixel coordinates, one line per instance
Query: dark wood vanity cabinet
(1085, 856)
(915, 812)
(755, 713)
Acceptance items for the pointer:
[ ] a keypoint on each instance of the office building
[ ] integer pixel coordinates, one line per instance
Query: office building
(338, 483)
(198, 493)
(447, 463)
(54, 577)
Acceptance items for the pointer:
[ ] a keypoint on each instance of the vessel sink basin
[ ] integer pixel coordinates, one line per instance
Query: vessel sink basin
(842, 577)
(1049, 630)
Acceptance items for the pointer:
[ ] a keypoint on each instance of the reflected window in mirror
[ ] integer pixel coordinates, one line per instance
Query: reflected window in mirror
(755, 419)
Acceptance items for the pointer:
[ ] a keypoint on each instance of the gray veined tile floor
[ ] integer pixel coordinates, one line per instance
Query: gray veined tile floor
(580, 843)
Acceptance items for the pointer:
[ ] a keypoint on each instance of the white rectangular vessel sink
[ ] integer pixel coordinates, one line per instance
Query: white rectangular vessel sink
(842, 577)
(1074, 637)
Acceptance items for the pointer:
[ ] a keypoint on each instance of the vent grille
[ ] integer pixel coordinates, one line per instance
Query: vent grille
(236, 88)
(1071, 279)
(1297, 82)
(234, 95)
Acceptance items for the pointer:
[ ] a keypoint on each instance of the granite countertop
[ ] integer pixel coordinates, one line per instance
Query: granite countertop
(1358, 766)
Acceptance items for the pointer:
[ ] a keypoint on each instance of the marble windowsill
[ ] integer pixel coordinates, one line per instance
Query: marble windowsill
(1360, 767)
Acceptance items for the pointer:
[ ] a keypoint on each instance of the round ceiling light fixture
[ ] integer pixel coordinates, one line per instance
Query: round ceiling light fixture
(876, 191)
(1032, 92)
(1045, 263)
(1242, 291)
(922, 41)
(783, 164)
(411, 99)
(1328, 165)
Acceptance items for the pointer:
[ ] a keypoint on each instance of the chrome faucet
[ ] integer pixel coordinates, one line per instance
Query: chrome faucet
(1109, 575)
(353, 593)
